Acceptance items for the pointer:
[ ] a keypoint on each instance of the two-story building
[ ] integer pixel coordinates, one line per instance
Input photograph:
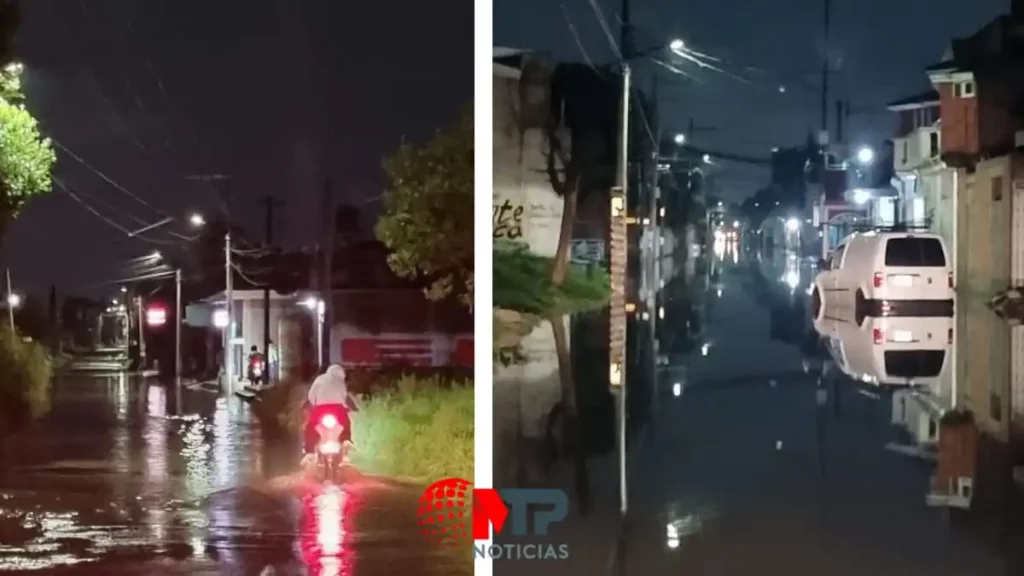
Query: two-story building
(925, 186)
(980, 83)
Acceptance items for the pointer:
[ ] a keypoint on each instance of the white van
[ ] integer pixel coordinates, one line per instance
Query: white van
(899, 351)
(882, 274)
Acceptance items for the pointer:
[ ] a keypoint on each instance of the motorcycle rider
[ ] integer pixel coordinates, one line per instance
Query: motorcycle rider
(256, 366)
(329, 395)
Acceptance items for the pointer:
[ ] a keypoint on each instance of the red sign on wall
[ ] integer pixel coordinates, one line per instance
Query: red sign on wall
(384, 351)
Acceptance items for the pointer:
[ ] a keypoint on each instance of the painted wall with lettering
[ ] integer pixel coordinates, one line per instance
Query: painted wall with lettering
(525, 207)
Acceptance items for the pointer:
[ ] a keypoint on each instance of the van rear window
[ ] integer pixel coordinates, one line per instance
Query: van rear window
(914, 252)
(914, 363)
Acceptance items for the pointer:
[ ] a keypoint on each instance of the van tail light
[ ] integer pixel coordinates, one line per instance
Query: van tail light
(950, 279)
(878, 280)
(878, 336)
(950, 336)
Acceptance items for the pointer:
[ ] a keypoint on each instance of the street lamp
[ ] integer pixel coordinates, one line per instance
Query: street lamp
(317, 306)
(676, 45)
(865, 155)
(792, 224)
(680, 139)
(196, 219)
(861, 196)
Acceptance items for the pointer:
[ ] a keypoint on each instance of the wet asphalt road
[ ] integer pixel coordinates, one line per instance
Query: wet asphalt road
(748, 466)
(127, 476)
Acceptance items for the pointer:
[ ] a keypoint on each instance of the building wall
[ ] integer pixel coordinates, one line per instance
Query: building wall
(959, 121)
(936, 189)
(984, 213)
(525, 207)
(983, 366)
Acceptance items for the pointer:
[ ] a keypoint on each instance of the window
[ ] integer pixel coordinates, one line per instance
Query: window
(995, 404)
(911, 252)
(837, 257)
(997, 189)
(965, 89)
(914, 363)
(933, 144)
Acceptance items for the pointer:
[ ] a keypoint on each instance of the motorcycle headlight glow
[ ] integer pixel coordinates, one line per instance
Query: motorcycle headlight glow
(329, 421)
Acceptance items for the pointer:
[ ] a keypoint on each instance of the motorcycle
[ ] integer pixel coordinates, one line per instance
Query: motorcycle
(255, 375)
(331, 451)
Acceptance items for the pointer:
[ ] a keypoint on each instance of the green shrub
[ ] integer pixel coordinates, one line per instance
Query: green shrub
(522, 282)
(26, 372)
(417, 428)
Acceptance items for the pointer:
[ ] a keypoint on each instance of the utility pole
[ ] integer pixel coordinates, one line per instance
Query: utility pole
(824, 68)
(618, 256)
(839, 121)
(229, 330)
(177, 326)
(655, 192)
(142, 332)
(10, 300)
(327, 271)
(269, 203)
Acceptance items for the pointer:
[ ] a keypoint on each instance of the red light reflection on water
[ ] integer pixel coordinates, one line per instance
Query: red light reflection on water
(328, 515)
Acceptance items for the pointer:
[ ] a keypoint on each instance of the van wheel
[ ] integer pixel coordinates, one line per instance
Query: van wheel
(816, 307)
(860, 307)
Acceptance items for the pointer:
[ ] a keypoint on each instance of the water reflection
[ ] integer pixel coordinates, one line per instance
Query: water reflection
(135, 476)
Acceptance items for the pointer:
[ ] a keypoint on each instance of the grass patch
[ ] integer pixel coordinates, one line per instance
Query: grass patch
(417, 428)
(522, 282)
(26, 372)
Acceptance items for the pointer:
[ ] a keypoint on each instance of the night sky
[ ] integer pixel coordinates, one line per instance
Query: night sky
(276, 94)
(880, 46)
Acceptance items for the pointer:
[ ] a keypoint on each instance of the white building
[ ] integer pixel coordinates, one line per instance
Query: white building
(924, 184)
(526, 208)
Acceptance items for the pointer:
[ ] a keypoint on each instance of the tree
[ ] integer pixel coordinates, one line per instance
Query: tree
(427, 223)
(583, 102)
(26, 158)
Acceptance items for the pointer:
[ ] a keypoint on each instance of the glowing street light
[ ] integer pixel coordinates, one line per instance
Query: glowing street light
(196, 220)
(707, 158)
(861, 196)
(865, 155)
(220, 318)
(680, 139)
(14, 300)
(792, 224)
(317, 306)
(677, 45)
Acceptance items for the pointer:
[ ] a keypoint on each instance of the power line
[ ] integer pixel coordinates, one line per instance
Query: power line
(67, 190)
(106, 178)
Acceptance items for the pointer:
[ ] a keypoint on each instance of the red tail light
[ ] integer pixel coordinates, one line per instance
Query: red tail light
(878, 279)
(329, 421)
(878, 336)
(950, 279)
(950, 336)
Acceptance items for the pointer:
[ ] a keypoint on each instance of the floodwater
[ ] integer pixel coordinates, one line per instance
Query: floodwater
(750, 452)
(132, 476)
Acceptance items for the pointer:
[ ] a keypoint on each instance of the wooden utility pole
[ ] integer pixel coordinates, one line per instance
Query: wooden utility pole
(326, 317)
(269, 204)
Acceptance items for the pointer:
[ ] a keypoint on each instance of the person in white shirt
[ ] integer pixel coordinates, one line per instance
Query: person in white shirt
(328, 394)
(273, 361)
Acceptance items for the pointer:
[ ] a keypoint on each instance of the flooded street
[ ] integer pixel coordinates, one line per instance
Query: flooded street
(130, 476)
(752, 451)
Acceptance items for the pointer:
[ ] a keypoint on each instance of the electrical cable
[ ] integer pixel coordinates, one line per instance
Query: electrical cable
(67, 190)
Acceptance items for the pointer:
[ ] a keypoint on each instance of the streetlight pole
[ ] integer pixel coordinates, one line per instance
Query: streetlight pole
(177, 325)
